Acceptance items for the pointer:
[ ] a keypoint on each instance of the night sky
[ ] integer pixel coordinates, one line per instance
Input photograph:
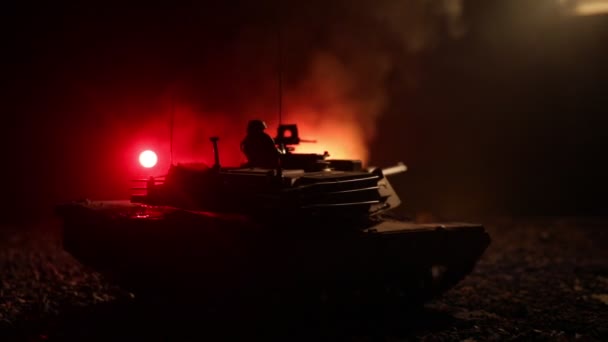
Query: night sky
(496, 108)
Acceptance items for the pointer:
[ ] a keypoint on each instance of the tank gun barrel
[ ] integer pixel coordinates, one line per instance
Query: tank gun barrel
(393, 170)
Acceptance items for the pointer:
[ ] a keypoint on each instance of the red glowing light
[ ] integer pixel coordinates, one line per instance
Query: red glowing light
(148, 158)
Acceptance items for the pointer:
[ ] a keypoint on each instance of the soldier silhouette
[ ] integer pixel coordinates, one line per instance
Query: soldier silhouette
(259, 147)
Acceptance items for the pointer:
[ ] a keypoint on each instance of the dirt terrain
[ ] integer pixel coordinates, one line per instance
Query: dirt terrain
(540, 279)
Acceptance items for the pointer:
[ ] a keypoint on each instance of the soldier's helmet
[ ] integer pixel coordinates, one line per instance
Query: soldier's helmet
(256, 126)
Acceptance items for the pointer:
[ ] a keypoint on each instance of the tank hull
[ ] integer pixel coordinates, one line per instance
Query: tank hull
(176, 254)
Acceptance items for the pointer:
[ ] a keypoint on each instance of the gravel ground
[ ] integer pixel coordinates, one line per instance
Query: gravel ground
(540, 279)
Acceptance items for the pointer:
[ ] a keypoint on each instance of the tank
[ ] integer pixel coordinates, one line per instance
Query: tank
(316, 227)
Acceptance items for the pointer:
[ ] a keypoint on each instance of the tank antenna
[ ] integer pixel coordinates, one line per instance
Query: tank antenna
(279, 170)
(280, 64)
(171, 119)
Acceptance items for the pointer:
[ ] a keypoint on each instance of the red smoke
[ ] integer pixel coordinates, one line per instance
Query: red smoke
(330, 106)
(342, 138)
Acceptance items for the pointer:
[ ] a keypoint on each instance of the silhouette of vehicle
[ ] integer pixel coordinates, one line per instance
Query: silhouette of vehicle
(315, 226)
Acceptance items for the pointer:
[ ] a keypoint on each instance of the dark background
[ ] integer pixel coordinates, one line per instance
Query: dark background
(497, 107)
